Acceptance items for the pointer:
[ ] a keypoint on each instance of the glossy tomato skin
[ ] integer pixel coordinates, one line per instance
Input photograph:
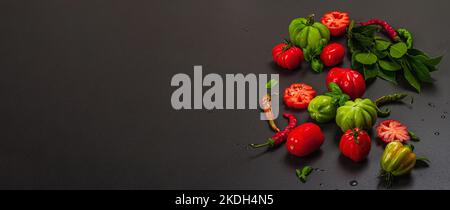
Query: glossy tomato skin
(332, 54)
(287, 56)
(305, 139)
(355, 144)
(350, 81)
(336, 22)
(298, 95)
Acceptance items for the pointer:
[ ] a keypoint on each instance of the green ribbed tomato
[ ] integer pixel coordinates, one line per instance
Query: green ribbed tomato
(321, 109)
(360, 113)
(307, 34)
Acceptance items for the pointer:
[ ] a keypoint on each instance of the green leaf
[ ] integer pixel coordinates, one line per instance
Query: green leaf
(410, 77)
(413, 136)
(380, 54)
(398, 50)
(303, 173)
(420, 70)
(370, 71)
(366, 58)
(367, 30)
(417, 52)
(389, 76)
(382, 44)
(435, 61)
(363, 41)
(271, 83)
(389, 65)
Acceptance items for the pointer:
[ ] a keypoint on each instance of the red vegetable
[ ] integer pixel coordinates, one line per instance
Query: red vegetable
(350, 81)
(298, 95)
(387, 28)
(287, 55)
(392, 130)
(280, 136)
(336, 22)
(332, 54)
(305, 139)
(355, 144)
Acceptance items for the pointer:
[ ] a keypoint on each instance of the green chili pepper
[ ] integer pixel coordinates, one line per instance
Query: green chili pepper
(406, 36)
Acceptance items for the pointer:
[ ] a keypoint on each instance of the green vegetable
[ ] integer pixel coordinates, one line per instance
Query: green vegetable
(307, 34)
(406, 36)
(390, 98)
(303, 173)
(323, 108)
(317, 65)
(361, 113)
(378, 57)
(396, 160)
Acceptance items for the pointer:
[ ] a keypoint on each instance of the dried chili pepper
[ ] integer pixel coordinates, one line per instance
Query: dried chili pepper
(387, 28)
(281, 136)
(267, 108)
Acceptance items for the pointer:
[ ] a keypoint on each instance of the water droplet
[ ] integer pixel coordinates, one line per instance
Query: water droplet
(443, 117)
(322, 170)
(353, 183)
(445, 112)
(436, 133)
(321, 184)
(422, 120)
(431, 105)
(316, 169)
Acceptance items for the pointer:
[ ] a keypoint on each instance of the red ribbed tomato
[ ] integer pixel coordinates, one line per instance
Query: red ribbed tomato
(336, 22)
(355, 144)
(350, 81)
(287, 55)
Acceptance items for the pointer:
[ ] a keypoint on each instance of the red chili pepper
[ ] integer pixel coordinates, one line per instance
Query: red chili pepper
(281, 136)
(389, 30)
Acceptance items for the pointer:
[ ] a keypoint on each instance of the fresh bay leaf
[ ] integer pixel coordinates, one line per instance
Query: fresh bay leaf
(409, 76)
(398, 50)
(382, 44)
(389, 76)
(366, 58)
(389, 65)
(420, 70)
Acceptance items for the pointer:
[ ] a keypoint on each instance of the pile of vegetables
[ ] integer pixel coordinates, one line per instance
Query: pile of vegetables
(371, 56)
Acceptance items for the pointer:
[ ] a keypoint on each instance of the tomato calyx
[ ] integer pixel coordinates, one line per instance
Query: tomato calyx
(310, 19)
(355, 133)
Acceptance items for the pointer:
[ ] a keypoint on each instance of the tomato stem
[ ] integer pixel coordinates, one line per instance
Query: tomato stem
(310, 19)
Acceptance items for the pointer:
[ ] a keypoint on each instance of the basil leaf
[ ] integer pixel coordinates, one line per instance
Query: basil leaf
(366, 58)
(367, 30)
(435, 61)
(398, 50)
(389, 76)
(389, 65)
(421, 70)
(382, 44)
(363, 41)
(410, 77)
(370, 71)
(271, 83)
(417, 52)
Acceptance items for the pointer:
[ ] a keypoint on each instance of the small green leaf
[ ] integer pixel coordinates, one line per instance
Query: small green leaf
(423, 160)
(410, 77)
(435, 61)
(398, 50)
(303, 173)
(417, 52)
(367, 30)
(389, 76)
(366, 58)
(389, 65)
(382, 44)
(413, 136)
(370, 71)
(363, 41)
(271, 83)
(420, 70)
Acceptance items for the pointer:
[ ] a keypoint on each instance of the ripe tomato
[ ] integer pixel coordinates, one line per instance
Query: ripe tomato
(287, 56)
(355, 144)
(336, 22)
(350, 81)
(392, 130)
(332, 54)
(304, 139)
(298, 95)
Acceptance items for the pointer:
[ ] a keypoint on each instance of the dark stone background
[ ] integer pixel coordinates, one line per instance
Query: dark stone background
(85, 95)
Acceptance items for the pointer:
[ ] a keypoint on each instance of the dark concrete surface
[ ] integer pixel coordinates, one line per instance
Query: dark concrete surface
(85, 95)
